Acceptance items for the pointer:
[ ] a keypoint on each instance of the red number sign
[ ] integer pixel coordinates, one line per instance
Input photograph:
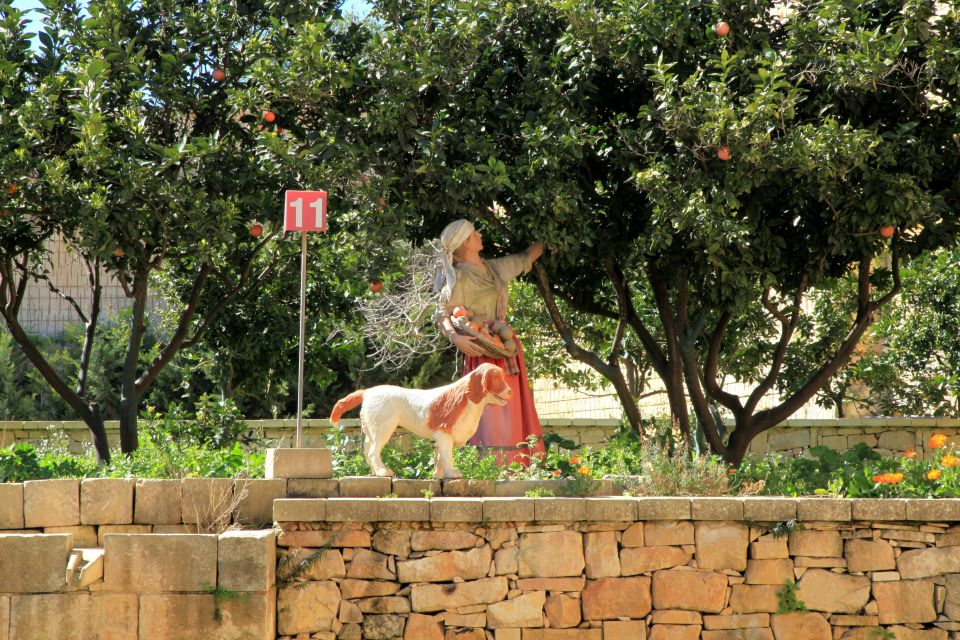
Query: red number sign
(305, 211)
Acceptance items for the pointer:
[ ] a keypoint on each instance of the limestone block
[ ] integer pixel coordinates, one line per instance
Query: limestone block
(392, 542)
(553, 554)
(174, 528)
(869, 555)
(613, 598)
(403, 510)
(351, 509)
(560, 509)
(611, 509)
(925, 563)
(749, 598)
(769, 548)
(51, 503)
(823, 590)
(307, 607)
(159, 562)
(552, 584)
(182, 616)
(456, 510)
(206, 500)
(690, 590)
(299, 510)
(508, 509)
(321, 538)
(353, 632)
(600, 554)
(464, 488)
(663, 509)
(316, 488)
(906, 633)
(366, 486)
(675, 616)
(426, 598)
(735, 621)
(72, 616)
(408, 488)
(255, 498)
(11, 505)
(624, 630)
(933, 510)
(422, 540)
(464, 634)
(106, 501)
(770, 509)
(738, 634)
(351, 588)
(722, 545)
(157, 502)
(633, 535)
(809, 626)
(823, 510)
(777, 571)
(562, 610)
(5, 617)
(789, 439)
(422, 627)
(247, 560)
(668, 533)
(501, 536)
(523, 611)
(951, 604)
(816, 544)
(33, 563)
(80, 536)
(370, 565)
(897, 440)
(675, 632)
(445, 566)
(906, 601)
(877, 509)
(106, 529)
(507, 561)
(298, 463)
(716, 508)
(562, 634)
(384, 604)
(634, 560)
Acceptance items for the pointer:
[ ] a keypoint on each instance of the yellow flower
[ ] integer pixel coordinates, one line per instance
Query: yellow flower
(933, 474)
(950, 460)
(910, 454)
(937, 440)
(584, 471)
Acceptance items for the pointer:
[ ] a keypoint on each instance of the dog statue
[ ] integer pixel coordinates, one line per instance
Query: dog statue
(448, 415)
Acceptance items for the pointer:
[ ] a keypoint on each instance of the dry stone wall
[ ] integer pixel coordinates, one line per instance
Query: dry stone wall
(616, 568)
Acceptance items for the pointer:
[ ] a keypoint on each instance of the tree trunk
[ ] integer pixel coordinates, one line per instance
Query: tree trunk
(129, 397)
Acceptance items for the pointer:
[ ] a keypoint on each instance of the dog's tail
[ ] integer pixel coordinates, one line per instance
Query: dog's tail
(345, 404)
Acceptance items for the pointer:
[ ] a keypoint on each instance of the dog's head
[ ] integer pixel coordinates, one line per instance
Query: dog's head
(489, 382)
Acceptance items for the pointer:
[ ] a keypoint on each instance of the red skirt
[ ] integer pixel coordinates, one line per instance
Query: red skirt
(503, 428)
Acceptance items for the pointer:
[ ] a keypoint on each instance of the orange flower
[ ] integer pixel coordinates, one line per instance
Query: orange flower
(937, 440)
(584, 471)
(933, 474)
(888, 478)
(910, 454)
(731, 470)
(575, 460)
(556, 472)
(950, 460)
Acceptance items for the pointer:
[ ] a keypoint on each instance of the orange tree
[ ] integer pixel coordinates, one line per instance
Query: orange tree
(121, 139)
(718, 180)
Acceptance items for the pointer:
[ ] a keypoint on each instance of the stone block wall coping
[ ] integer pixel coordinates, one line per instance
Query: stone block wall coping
(614, 509)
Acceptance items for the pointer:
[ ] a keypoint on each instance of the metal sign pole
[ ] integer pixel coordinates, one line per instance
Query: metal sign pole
(303, 324)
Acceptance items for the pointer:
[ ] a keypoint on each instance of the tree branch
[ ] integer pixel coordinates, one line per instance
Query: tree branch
(728, 400)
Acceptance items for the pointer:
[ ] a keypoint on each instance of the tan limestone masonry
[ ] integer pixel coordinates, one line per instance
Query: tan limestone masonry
(616, 568)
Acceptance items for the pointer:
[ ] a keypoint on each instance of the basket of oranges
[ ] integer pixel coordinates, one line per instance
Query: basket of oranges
(495, 337)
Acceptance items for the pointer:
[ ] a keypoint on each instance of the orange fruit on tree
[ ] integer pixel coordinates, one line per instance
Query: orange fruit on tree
(722, 29)
(269, 116)
(118, 252)
(376, 286)
(219, 75)
(887, 231)
(459, 312)
(11, 188)
(256, 229)
(724, 153)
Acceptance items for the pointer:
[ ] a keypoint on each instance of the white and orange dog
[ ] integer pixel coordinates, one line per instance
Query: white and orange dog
(448, 415)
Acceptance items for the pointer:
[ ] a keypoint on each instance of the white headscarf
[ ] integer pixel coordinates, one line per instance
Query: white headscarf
(453, 235)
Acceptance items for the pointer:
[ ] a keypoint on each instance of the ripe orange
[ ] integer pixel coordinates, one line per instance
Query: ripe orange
(722, 29)
(256, 229)
(118, 252)
(11, 188)
(459, 312)
(219, 75)
(269, 116)
(375, 286)
(724, 153)
(887, 231)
